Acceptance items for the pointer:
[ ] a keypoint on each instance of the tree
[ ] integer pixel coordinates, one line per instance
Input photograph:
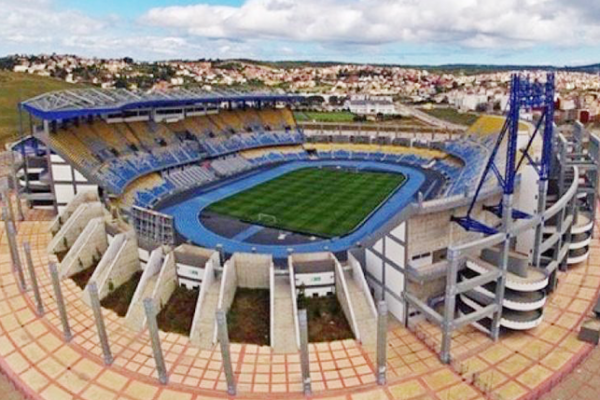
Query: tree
(121, 83)
(7, 63)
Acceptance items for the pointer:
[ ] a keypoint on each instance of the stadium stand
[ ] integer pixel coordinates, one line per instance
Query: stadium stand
(461, 161)
(118, 153)
(143, 161)
(137, 189)
(231, 165)
(189, 176)
(460, 164)
(490, 125)
(474, 156)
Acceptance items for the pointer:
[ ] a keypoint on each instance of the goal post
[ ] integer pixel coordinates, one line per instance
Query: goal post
(267, 218)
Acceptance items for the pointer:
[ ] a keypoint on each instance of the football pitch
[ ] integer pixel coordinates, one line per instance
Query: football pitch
(321, 202)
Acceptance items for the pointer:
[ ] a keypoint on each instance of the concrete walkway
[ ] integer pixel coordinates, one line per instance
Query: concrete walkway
(519, 366)
(366, 321)
(285, 327)
(207, 325)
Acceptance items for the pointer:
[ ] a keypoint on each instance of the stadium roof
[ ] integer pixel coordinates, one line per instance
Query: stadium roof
(84, 102)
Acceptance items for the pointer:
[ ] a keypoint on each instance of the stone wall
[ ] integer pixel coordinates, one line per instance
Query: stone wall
(428, 290)
(435, 231)
(103, 267)
(136, 317)
(87, 249)
(229, 284)
(70, 231)
(252, 270)
(166, 284)
(207, 282)
(342, 294)
(125, 264)
(82, 197)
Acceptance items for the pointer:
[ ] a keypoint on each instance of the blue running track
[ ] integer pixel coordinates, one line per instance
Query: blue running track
(187, 222)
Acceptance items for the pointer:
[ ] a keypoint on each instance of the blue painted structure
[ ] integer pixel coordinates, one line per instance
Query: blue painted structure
(69, 104)
(187, 222)
(524, 94)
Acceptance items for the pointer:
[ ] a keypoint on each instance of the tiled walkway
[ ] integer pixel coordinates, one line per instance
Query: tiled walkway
(33, 354)
(582, 384)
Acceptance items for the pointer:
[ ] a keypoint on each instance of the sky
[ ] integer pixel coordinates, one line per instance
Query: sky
(408, 32)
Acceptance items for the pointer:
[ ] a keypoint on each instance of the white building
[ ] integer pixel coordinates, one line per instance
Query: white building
(315, 278)
(371, 105)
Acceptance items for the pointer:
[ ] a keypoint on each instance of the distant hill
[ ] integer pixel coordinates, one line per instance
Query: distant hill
(468, 69)
(16, 87)
(591, 69)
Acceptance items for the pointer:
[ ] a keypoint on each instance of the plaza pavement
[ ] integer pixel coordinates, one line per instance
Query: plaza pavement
(522, 365)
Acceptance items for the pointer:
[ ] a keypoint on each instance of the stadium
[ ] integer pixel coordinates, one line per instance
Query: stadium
(213, 223)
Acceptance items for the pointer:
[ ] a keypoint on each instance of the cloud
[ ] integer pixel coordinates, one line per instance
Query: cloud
(357, 30)
(31, 21)
(467, 23)
(34, 26)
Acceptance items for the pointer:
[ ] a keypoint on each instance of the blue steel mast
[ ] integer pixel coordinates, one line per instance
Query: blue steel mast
(524, 94)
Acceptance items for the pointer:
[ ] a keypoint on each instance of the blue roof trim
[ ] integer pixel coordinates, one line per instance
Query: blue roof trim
(84, 112)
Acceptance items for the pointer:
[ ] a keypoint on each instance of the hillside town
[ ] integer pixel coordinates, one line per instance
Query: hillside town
(578, 93)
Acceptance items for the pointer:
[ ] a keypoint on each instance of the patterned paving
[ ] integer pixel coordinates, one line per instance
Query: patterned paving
(582, 384)
(520, 366)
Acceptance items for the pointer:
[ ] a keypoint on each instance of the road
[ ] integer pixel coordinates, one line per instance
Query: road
(428, 119)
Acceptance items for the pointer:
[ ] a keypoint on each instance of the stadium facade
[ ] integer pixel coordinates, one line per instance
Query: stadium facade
(130, 175)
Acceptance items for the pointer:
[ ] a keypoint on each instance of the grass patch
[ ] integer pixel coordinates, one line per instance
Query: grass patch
(453, 116)
(82, 278)
(326, 319)
(248, 319)
(322, 202)
(178, 314)
(119, 299)
(17, 87)
(60, 255)
(316, 116)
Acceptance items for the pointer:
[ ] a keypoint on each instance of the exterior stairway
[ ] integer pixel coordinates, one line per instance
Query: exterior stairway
(284, 332)
(207, 321)
(137, 316)
(366, 321)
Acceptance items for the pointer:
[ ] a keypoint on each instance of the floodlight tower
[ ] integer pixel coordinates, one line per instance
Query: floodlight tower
(525, 94)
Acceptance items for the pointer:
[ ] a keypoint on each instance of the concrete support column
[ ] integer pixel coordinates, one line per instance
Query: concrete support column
(14, 252)
(23, 153)
(49, 160)
(553, 281)
(304, 361)
(225, 351)
(539, 230)
(13, 177)
(100, 327)
(382, 312)
(33, 278)
(60, 302)
(572, 210)
(507, 203)
(8, 202)
(449, 305)
(155, 341)
(18, 199)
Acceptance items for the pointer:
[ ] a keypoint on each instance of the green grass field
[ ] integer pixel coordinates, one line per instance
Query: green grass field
(453, 116)
(322, 202)
(16, 87)
(335, 116)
